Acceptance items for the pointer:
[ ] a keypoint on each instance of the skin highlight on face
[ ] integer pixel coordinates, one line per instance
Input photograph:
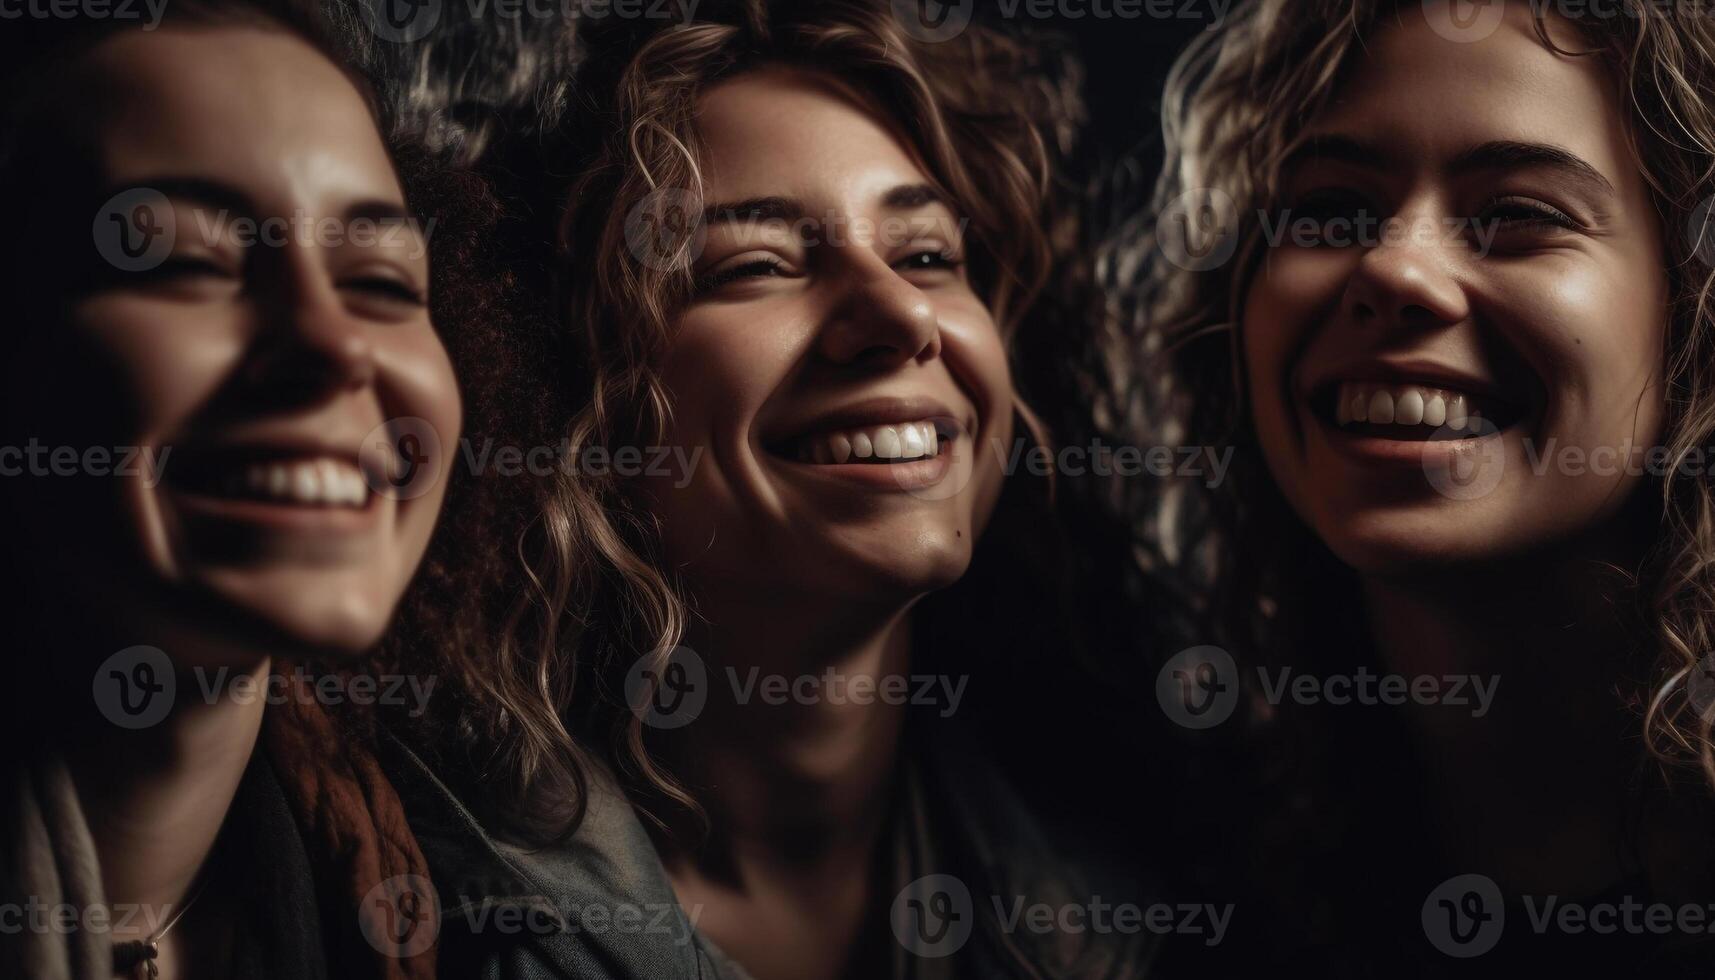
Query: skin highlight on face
(1375, 372)
(254, 368)
(834, 363)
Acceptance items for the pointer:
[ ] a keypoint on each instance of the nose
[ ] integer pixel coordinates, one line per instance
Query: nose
(311, 344)
(1407, 280)
(881, 321)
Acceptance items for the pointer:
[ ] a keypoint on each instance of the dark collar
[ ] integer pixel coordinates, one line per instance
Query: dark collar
(596, 905)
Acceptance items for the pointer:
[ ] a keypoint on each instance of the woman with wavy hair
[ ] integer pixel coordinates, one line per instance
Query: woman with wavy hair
(249, 359)
(781, 591)
(1441, 275)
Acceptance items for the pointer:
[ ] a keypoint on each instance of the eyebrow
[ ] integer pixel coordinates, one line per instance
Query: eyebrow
(905, 197)
(200, 190)
(218, 194)
(1493, 155)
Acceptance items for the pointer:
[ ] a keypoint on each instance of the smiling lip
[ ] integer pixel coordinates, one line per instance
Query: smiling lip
(881, 443)
(1409, 412)
(296, 486)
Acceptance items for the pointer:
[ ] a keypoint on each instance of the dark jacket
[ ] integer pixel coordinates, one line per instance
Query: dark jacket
(601, 907)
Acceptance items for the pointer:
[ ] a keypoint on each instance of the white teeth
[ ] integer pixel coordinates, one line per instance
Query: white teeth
(911, 442)
(887, 444)
(1456, 412)
(1435, 411)
(317, 482)
(900, 441)
(306, 484)
(1381, 407)
(1408, 408)
(1402, 405)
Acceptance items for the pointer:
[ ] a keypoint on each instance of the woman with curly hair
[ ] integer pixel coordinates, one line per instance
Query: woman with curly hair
(1441, 276)
(176, 775)
(790, 638)
(228, 382)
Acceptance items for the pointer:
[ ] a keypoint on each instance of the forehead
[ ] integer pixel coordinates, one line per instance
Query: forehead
(256, 108)
(788, 133)
(1426, 96)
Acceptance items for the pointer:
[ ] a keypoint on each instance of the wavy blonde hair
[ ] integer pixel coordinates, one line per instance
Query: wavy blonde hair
(1236, 103)
(592, 596)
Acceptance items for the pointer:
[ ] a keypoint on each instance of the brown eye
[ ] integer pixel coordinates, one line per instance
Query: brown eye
(928, 260)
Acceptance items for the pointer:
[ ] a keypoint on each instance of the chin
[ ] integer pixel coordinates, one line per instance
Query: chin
(323, 619)
(1394, 544)
(932, 560)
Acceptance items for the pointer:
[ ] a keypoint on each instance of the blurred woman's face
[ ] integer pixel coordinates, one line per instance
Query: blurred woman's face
(253, 359)
(1482, 377)
(835, 369)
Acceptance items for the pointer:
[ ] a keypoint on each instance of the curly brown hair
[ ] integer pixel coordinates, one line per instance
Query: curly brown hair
(1236, 103)
(570, 603)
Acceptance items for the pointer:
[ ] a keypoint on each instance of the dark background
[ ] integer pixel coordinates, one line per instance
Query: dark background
(1125, 60)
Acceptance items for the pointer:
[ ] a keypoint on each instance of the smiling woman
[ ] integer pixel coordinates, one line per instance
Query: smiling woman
(1472, 386)
(796, 252)
(195, 323)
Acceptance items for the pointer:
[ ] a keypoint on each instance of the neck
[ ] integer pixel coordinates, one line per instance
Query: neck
(794, 754)
(155, 799)
(1529, 789)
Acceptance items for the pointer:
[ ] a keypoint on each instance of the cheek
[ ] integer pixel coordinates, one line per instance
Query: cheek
(1596, 343)
(1290, 292)
(415, 380)
(139, 369)
(722, 367)
(976, 356)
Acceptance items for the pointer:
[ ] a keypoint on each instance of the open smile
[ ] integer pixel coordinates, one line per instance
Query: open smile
(884, 443)
(1412, 412)
(273, 486)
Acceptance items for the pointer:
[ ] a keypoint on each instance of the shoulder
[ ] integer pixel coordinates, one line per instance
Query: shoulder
(595, 905)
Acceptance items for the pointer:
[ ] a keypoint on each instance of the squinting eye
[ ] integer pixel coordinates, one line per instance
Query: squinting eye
(761, 268)
(187, 267)
(1522, 213)
(928, 260)
(386, 288)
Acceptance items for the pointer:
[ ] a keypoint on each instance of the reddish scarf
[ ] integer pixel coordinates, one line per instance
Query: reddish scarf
(355, 832)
